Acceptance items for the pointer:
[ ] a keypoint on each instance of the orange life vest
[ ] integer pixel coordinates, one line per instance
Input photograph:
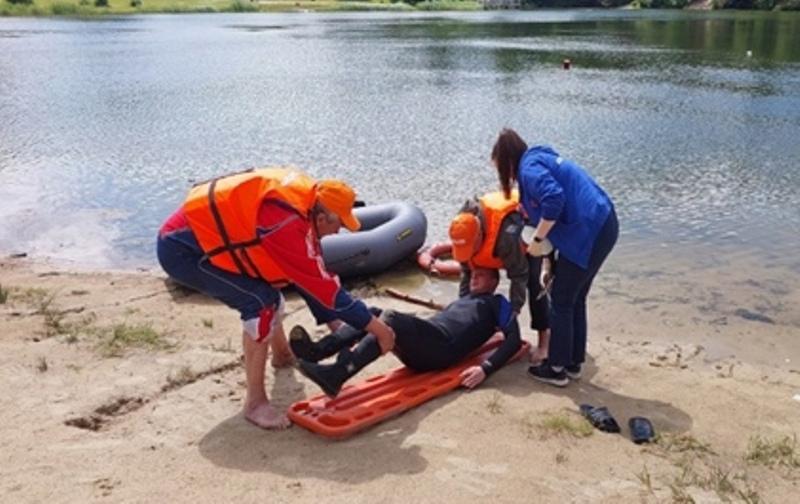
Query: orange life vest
(495, 208)
(222, 214)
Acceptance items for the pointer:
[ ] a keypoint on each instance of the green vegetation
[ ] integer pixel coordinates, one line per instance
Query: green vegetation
(660, 4)
(3, 294)
(243, 6)
(84, 8)
(682, 443)
(780, 452)
(33, 296)
(122, 337)
(566, 424)
(712, 477)
(446, 5)
(697, 465)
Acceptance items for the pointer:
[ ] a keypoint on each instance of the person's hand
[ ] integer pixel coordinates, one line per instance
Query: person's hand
(540, 248)
(383, 333)
(472, 377)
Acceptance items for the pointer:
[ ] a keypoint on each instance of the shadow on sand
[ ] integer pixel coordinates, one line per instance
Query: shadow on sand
(665, 416)
(366, 456)
(383, 449)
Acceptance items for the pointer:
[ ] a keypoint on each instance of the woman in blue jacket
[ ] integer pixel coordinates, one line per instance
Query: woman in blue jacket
(572, 214)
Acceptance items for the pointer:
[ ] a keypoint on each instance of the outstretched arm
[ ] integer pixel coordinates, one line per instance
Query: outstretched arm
(506, 350)
(507, 324)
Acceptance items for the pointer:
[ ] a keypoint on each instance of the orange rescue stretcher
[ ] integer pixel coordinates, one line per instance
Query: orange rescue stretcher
(383, 396)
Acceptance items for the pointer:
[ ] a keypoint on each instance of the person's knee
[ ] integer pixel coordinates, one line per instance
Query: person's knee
(261, 326)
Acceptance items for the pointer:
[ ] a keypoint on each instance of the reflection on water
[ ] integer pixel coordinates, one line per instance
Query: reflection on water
(690, 120)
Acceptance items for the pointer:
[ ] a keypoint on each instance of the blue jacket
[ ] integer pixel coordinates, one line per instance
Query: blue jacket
(553, 188)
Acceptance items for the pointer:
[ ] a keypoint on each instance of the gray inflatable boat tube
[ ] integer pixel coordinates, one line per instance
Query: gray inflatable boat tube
(389, 233)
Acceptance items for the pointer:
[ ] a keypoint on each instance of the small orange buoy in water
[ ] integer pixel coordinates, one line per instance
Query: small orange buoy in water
(567, 64)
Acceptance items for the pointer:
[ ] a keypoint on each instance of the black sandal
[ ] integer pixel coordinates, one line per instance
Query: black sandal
(600, 418)
(641, 430)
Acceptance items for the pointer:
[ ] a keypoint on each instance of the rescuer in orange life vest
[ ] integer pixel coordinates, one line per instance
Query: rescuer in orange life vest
(487, 233)
(241, 237)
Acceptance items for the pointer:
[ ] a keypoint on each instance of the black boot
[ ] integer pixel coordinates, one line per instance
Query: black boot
(331, 377)
(305, 348)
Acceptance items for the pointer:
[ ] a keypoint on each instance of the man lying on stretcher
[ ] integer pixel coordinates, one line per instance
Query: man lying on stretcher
(423, 345)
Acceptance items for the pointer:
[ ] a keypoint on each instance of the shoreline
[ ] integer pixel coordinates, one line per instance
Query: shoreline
(156, 413)
(738, 310)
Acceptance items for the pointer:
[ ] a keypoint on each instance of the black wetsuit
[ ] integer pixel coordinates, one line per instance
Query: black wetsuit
(449, 336)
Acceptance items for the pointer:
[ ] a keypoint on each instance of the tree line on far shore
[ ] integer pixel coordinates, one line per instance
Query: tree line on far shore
(89, 7)
(667, 4)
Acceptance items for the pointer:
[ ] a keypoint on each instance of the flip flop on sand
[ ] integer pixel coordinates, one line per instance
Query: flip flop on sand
(641, 430)
(600, 417)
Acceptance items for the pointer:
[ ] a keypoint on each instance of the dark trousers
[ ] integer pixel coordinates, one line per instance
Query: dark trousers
(568, 299)
(185, 262)
(418, 344)
(322, 315)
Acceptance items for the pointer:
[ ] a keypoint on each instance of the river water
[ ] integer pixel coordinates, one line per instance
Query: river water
(690, 120)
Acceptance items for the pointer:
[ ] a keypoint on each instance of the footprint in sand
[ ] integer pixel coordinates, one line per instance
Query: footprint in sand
(467, 474)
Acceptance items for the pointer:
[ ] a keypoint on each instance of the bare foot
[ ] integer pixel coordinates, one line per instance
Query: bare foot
(538, 355)
(282, 359)
(267, 417)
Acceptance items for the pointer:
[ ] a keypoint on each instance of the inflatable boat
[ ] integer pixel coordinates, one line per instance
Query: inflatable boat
(389, 233)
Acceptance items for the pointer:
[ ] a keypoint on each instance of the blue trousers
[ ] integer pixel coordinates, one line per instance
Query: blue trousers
(185, 262)
(568, 299)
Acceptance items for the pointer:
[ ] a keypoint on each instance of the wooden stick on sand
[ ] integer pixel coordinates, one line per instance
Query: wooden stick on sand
(430, 303)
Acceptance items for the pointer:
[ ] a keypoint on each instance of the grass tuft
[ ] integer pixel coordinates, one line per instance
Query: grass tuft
(183, 377)
(208, 323)
(242, 6)
(768, 452)
(645, 479)
(495, 404)
(3, 294)
(123, 337)
(41, 364)
(64, 9)
(682, 443)
(32, 296)
(566, 424)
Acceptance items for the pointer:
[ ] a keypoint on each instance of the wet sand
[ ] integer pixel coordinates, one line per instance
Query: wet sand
(711, 359)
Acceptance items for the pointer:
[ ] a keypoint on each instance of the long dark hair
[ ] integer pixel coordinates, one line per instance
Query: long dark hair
(506, 153)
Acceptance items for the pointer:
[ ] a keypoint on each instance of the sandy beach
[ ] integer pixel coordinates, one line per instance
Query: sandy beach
(121, 387)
